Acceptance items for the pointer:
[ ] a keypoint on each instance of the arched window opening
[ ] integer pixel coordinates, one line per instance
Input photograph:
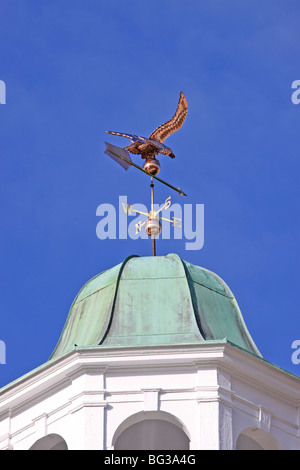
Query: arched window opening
(50, 442)
(256, 439)
(152, 434)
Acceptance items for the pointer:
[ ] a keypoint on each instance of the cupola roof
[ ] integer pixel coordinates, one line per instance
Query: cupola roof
(153, 301)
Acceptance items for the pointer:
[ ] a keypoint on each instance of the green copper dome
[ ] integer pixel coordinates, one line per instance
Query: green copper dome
(152, 301)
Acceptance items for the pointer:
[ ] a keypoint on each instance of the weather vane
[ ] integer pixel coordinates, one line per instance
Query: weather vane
(148, 149)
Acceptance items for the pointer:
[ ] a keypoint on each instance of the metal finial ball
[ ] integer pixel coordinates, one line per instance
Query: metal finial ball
(153, 227)
(152, 166)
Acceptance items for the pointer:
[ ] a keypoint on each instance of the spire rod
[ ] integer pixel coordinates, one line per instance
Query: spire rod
(152, 212)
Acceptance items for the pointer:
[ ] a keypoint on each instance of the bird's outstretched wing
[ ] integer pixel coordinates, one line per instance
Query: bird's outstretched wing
(163, 131)
(122, 134)
(134, 138)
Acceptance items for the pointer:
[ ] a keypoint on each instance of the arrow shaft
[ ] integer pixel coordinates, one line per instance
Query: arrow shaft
(146, 172)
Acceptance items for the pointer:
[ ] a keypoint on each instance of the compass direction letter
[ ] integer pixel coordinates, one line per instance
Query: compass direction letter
(127, 208)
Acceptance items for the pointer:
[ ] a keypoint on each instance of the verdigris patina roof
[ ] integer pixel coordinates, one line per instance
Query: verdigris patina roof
(157, 300)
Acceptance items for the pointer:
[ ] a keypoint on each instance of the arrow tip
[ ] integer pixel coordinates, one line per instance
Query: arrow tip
(181, 193)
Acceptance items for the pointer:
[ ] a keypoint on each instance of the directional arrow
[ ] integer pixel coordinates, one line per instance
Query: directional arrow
(110, 151)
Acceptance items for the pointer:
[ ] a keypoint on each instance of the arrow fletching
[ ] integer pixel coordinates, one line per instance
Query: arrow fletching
(113, 151)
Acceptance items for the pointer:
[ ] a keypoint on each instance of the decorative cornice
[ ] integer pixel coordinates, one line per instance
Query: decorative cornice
(59, 373)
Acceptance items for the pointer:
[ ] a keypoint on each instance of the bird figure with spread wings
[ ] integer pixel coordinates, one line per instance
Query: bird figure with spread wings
(154, 145)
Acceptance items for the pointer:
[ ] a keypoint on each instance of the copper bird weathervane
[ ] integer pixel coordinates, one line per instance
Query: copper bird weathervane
(148, 148)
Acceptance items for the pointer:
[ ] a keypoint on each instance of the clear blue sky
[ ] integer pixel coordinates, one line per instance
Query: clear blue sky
(76, 69)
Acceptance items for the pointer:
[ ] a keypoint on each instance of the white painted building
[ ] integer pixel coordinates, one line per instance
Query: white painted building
(154, 355)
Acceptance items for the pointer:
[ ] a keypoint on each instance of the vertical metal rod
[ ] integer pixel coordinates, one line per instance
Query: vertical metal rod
(152, 194)
(153, 247)
(152, 210)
